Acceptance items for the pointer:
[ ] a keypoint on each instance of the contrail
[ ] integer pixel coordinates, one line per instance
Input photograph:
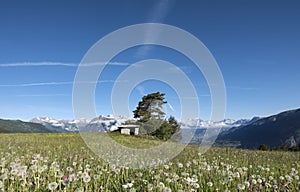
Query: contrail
(57, 83)
(158, 15)
(160, 11)
(171, 107)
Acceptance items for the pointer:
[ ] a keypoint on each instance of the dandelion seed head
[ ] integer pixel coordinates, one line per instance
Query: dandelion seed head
(247, 184)
(281, 178)
(52, 186)
(150, 187)
(259, 181)
(180, 165)
(241, 186)
(86, 178)
(210, 184)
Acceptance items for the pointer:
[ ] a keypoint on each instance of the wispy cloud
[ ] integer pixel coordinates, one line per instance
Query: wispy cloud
(141, 90)
(179, 69)
(56, 83)
(204, 95)
(157, 15)
(103, 63)
(38, 84)
(49, 64)
(242, 88)
(43, 95)
(38, 64)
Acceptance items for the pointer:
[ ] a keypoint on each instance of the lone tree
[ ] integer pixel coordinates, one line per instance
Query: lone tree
(152, 118)
(150, 107)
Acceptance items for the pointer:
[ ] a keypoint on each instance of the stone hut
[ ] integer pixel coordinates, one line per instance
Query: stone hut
(129, 129)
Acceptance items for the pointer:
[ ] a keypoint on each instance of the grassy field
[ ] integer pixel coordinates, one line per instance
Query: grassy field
(62, 162)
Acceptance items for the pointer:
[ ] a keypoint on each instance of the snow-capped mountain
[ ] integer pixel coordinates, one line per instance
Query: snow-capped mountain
(101, 123)
(196, 128)
(111, 122)
(106, 123)
(190, 127)
(224, 124)
(60, 125)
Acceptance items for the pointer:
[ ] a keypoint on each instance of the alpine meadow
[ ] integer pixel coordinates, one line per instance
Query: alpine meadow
(149, 96)
(61, 162)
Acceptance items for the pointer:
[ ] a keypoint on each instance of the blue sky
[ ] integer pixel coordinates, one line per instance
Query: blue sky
(256, 45)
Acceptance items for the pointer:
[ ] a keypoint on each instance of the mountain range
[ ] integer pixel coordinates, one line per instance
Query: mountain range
(110, 123)
(274, 131)
(103, 123)
(60, 125)
(107, 123)
(223, 124)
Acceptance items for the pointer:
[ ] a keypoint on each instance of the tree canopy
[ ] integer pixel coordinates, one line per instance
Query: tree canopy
(151, 116)
(150, 107)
